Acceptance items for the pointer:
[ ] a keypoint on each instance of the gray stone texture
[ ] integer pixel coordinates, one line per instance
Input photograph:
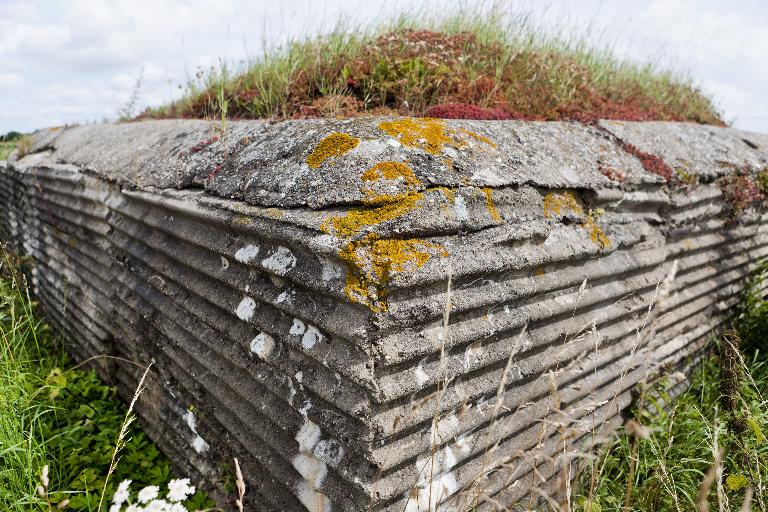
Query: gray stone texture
(289, 281)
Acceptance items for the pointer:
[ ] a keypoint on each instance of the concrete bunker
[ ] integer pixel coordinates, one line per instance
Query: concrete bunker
(290, 282)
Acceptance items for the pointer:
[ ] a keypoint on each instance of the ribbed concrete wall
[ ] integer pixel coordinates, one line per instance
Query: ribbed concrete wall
(289, 281)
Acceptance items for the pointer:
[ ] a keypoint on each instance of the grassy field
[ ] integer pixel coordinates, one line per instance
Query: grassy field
(476, 66)
(705, 450)
(5, 148)
(59, 423)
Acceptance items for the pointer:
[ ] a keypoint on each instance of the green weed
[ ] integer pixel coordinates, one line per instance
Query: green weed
(707, 448)
(65, 419)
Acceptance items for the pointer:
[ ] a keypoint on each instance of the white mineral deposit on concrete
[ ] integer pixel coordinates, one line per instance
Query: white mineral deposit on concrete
(262, 345)
(310, 467)
(246, 308)
(247, 254)
(281, 261)
(198, 443)
(311, 336)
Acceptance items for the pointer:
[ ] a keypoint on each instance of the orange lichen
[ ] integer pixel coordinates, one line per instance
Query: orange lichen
(490, 206)
(478, 137)
(555, 204)
(596, 234)
(358, 219)
(331, 146)
(371, 260)
(539, 272)
(431, 135)
(425, 133)
(391, 171)
(395, 174)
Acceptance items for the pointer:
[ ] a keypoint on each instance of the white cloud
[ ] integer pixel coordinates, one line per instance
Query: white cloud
(78, 61)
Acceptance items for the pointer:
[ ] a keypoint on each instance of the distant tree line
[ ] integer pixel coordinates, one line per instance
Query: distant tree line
(10, 136)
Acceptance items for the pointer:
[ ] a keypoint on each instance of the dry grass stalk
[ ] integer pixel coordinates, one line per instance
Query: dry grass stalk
(702, 504)
(122, 435)
(240, 484)
(746, 506)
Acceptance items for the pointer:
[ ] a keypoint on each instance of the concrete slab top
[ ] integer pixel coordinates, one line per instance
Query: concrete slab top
(325, 162)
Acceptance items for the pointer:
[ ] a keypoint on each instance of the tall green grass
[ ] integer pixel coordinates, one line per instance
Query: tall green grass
(55, 415)
(668, 456)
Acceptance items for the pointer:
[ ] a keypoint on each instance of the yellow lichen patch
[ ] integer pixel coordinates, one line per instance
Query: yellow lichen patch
(333, 145)
(399, 174)
(359, 218)
(478, 137)
(539, 272)
(275, 213)
(391, 171)
(556, 204)
(490, 205)
(425, 133)
(371, 260)
(596, 234)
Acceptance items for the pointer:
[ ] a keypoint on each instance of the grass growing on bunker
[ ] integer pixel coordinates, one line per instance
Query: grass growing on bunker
(704, 450)
(63, 418)
(478, 65)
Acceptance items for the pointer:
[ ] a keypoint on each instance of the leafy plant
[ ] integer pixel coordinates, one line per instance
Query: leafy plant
(66, 421)
(752, 314)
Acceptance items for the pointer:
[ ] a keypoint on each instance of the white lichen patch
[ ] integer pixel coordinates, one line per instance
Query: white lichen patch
(298, 327)
(311, 337)
(488, 177)
(281, 261)
(312, 469)
(460, 207)
(247, 254)
(198, 443)
(420, 374)
(246, 308)
(262, 345)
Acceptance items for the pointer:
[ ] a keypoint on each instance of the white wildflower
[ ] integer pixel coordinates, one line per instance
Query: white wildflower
(114, 508)
(148, 493)
(179, 490)
(178, 507)
(158, 506)
(134, 508)
(122, 492)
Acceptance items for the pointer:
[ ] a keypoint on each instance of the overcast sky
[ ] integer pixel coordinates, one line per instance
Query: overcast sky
(77, 61)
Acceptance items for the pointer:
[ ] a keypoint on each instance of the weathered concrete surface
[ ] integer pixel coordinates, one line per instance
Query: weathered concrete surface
(289, 281)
